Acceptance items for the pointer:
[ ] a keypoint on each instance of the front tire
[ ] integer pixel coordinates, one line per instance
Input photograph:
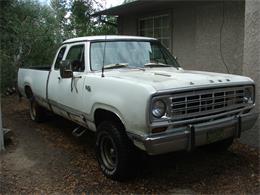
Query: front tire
(114, 151)
(37, 113)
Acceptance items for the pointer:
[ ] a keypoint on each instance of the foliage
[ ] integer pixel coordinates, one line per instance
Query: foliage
(31, 32)
(28, 37)
(60, 8)
(75, 20)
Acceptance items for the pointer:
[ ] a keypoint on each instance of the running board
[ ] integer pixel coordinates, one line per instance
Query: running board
(79, 131)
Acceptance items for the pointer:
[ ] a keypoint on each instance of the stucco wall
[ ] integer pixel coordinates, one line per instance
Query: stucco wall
(127, 25)
(251, 65)
(196, 34)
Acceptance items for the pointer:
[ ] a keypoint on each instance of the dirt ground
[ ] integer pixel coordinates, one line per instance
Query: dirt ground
(46, 158)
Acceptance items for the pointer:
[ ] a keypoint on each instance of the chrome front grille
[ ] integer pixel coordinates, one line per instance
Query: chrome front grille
(202, 102)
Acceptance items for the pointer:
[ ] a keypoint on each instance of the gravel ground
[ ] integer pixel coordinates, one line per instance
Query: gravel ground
(251, 137)
(46, 158)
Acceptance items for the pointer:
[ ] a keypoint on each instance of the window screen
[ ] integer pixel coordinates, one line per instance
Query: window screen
(133, 53)
(157, 27)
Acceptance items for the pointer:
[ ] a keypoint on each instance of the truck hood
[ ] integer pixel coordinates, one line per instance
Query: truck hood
(169, 78)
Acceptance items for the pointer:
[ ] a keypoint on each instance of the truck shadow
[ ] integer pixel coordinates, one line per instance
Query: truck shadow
(55, 158)
(193, 167)
(182, 168)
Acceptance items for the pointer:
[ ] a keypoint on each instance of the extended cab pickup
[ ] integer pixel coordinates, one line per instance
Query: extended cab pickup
(132, 92)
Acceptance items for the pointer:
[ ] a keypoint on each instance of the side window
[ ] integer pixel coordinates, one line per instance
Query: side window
(157, 56)
(59, 58)
(76, 57)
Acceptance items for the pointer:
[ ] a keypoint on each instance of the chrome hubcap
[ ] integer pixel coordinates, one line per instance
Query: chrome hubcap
(33, 111)
(108, 152)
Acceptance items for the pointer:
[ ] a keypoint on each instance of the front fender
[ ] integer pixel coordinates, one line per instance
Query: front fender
(109, 108)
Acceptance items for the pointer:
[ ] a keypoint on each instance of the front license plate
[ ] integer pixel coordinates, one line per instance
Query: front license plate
(213, 136)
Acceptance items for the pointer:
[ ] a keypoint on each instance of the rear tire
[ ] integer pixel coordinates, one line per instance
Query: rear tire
(37, 113)
(220, 146)
(115, 152)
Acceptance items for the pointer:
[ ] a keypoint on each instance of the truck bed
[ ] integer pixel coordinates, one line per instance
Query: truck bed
(46, 68)
(36, 78)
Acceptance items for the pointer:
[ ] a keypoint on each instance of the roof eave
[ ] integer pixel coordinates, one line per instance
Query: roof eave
(115, 11)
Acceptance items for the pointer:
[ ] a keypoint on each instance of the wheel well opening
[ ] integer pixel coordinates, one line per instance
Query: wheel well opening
(104, 115)
(28, 92)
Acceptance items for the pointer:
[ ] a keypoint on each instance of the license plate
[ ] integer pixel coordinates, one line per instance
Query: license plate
(215, 135)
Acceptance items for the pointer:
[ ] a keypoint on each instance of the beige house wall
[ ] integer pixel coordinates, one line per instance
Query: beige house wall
(196, 33)
(251, 65)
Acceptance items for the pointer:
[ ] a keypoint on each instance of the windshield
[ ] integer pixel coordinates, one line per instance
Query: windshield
(136, 54)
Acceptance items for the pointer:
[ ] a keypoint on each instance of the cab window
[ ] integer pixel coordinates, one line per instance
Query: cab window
(59, 58)
(76, 58)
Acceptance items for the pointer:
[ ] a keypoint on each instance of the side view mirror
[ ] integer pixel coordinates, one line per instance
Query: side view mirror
(65, 69)
(176, 58)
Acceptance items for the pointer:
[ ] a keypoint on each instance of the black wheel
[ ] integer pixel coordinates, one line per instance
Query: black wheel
(37, 113)
(115, 152)
(220, 146)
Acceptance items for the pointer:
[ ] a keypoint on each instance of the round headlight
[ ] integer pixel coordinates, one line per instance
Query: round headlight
(158, 109)
(249, 95)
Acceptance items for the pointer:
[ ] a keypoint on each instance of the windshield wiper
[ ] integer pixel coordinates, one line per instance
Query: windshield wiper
(136, 67)
(151, 64)
(117, 65)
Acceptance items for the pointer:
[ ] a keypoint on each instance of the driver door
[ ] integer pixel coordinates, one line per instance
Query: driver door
(66, 94)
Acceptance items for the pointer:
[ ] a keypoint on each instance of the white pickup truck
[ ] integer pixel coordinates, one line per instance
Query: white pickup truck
(132, 92)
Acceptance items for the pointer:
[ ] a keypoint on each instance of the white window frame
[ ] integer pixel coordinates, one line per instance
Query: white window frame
(153, 27)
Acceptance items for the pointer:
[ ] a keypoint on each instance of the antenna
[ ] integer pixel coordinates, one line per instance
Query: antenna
(104, 56)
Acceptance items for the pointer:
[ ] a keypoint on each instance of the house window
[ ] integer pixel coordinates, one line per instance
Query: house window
(157, 27)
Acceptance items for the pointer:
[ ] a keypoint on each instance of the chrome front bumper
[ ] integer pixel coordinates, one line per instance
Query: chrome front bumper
(191, 136)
